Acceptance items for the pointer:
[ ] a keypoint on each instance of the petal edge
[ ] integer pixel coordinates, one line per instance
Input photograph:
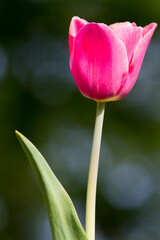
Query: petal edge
(75, 26)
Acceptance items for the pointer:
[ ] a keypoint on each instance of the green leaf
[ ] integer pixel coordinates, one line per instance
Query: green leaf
(64, 222)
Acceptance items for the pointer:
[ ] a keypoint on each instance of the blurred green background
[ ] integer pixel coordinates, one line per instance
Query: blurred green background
(39, 98)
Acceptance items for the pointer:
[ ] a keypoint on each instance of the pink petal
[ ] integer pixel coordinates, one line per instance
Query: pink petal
(98, 62)
(134, 24)
(75, 26)
(115, 26)
(137, 59)
(130, 36)
(149, 27)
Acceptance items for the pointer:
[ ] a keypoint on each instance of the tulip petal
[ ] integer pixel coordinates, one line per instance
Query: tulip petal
(115, 26)
(130, 36)
(96, 62)
(137, 59)
(75, 26)
(134, 24)
(149, 27)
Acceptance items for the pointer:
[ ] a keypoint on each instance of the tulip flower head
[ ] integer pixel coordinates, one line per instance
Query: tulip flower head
(105, 60)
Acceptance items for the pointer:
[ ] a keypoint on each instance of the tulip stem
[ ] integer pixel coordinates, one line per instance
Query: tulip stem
(93, 172)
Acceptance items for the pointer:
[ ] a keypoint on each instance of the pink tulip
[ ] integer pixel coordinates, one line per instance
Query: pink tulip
(105, 60)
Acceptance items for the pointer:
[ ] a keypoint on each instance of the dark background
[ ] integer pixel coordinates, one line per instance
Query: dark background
(39, 98)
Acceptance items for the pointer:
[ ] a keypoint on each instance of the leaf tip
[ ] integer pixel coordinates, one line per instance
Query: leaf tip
(18, 134)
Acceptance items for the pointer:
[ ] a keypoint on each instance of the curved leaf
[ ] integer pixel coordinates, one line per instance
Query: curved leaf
(63, 218)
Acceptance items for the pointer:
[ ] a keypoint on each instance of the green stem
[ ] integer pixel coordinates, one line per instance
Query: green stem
(93, 172)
